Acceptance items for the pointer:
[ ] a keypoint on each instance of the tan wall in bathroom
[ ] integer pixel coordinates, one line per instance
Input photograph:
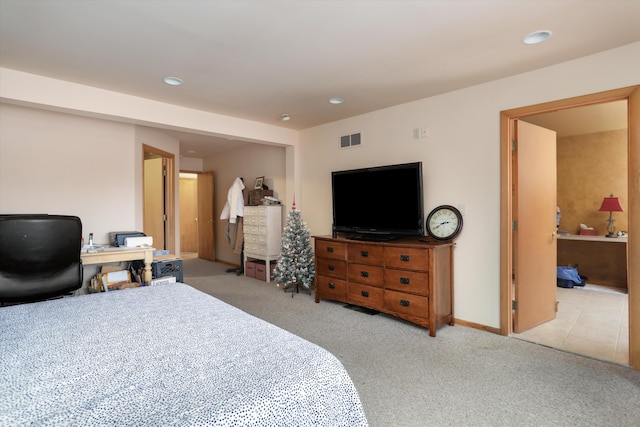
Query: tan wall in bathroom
(591, 167)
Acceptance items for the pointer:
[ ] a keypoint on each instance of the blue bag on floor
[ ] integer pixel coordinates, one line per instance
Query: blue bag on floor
(568, 277)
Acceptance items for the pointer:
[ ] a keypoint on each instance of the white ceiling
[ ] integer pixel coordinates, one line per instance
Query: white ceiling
(584, 120)
(258, 59)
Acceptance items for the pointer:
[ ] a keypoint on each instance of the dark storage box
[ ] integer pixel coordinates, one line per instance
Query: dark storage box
(261, 270)
(255, 196)
(250, 269)
(168, 267)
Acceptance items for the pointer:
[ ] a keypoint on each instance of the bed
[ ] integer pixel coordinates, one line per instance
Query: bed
(164, 355)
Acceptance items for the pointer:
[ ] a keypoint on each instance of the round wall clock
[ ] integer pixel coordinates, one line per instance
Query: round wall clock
(444, 223)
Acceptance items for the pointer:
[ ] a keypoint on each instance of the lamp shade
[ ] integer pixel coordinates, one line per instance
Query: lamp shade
(611, 204)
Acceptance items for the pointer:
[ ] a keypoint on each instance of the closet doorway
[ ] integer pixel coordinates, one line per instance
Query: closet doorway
(197, 223)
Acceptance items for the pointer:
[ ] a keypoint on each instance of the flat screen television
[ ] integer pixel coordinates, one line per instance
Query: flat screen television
(378, 203)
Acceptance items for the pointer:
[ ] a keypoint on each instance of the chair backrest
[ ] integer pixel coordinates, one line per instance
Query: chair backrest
(39, 256)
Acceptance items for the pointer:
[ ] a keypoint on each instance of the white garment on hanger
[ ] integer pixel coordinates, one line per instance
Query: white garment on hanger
(235, 202)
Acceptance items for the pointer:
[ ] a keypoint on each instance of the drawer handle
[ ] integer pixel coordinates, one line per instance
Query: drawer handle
(405, 280)
(332, 285)
(405, 258)
(364, 254)
(331, 267)
(364, 294)
(364, 274)
(329, 249)
(404, 303)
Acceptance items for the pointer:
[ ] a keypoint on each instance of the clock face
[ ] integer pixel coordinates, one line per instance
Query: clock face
(444, 223)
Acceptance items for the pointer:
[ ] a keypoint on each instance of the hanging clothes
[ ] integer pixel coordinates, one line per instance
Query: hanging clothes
(233, 211)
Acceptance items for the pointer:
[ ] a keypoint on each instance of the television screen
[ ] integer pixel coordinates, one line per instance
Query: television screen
(379, 203)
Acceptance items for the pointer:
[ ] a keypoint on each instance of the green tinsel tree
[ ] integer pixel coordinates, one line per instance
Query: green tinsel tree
(296, 265)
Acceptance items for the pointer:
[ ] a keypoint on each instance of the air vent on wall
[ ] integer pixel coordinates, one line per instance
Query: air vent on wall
(350, 140)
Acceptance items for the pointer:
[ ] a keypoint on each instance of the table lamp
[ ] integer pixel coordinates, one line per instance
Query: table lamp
(611, 204)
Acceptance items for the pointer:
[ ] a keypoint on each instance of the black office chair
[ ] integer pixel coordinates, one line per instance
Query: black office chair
(39, 256)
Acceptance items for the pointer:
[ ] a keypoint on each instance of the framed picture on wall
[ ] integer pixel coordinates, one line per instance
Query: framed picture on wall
(258, 184)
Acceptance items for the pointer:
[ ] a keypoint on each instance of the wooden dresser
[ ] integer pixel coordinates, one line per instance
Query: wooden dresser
(405, 278)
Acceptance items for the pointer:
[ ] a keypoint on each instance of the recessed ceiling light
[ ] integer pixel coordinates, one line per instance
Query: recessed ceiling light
(286, 117)
(173, 81)
(336, 101)
(537, 37)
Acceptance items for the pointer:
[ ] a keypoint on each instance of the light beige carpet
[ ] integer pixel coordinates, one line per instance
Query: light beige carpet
(462, 377)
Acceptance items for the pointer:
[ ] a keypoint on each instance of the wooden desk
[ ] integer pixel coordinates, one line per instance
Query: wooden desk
(603, 260)
(112, 254)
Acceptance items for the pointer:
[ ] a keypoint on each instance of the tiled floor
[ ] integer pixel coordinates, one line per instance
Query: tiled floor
(592, 321)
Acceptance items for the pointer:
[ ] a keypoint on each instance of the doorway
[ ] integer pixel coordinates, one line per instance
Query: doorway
(158, 190)
(591, 319)
(632, 95)
(196, 215)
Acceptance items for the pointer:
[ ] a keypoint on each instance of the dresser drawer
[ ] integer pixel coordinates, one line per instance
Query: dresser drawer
(327, 249)
(365, 296)
(255, 238)
(409, 258)
(254, 229)
(255, 249)
(331, 267)
(415, 282)
(252, 211)
(371, 275)
(331, 288)
(413, 305)
(255, 220)
(365, 254)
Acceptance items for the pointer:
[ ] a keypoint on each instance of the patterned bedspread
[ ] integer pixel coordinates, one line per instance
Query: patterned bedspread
(163, 355)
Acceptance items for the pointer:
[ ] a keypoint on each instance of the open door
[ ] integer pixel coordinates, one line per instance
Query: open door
(188, 213)
(206, 247)
(632, 94)
(534, 235)
(158, 197)
(154, 201)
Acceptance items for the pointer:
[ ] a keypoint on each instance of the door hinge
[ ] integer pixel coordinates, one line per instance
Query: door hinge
(514, 305)
(514, 225)
(164, 217)
(514, 145)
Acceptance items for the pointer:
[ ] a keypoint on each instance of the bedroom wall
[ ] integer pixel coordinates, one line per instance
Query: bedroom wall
(63, 164)
(461, 159)
(591, 167)
(247, 162)
(60, 163)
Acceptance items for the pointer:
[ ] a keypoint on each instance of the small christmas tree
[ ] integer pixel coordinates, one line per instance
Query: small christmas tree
(296, 265)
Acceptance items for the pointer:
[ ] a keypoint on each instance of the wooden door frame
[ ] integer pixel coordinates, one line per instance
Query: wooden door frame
(180, 206)
(632, 95)
(169, 194)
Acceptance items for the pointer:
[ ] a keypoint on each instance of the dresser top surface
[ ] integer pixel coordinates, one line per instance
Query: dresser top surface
(420, 242)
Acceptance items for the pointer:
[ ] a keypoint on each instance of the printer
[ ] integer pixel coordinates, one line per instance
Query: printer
(116, 238)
